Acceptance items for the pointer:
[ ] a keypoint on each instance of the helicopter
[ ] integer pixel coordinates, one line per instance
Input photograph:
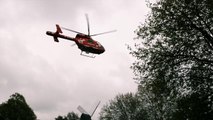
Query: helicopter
(85, 42)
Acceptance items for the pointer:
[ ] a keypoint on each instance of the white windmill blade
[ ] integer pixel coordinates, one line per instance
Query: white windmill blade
(82, 110)
(95, 108)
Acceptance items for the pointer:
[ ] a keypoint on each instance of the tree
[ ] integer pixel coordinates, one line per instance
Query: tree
(72, 116)
(175, 59)
(123, 107)
(69, 116)
(60, 118)
(16, 108)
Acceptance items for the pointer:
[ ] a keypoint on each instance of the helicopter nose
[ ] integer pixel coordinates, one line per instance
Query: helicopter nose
(103, 49)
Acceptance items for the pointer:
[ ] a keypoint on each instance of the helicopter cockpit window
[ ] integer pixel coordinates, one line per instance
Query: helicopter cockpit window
(99, 44)
(90, 40)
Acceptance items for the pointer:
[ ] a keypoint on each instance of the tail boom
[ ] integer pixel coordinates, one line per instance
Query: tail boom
(57, 34)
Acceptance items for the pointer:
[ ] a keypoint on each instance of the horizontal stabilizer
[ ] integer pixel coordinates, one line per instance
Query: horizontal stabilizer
(55, 39)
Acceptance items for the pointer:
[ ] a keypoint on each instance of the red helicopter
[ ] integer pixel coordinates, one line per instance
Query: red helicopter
(84, 41)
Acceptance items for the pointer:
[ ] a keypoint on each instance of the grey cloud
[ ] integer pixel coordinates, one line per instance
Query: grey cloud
(53, 77)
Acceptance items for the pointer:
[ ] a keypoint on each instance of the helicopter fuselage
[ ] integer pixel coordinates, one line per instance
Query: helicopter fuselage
(84, 42)
(87, 44)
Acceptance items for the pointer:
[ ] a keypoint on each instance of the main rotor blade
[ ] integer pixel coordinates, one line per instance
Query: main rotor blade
(71, 30)
(88, 27)
(104, 33)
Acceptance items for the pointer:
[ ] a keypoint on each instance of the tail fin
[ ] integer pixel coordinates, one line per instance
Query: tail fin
(58, 29)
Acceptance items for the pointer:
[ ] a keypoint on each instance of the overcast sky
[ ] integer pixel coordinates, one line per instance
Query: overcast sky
(53, 77)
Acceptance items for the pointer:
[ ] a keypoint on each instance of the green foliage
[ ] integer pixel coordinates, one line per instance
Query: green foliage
(69, 116)
(16, 108)
(174, 65)
(123, 107)
(72, 116)
(196, 106)
(175, 59)
(60, 118)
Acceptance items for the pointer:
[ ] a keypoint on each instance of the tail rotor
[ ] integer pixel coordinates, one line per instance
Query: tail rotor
(58, 31)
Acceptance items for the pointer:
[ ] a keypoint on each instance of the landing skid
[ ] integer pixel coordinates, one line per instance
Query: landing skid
(86, 54)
